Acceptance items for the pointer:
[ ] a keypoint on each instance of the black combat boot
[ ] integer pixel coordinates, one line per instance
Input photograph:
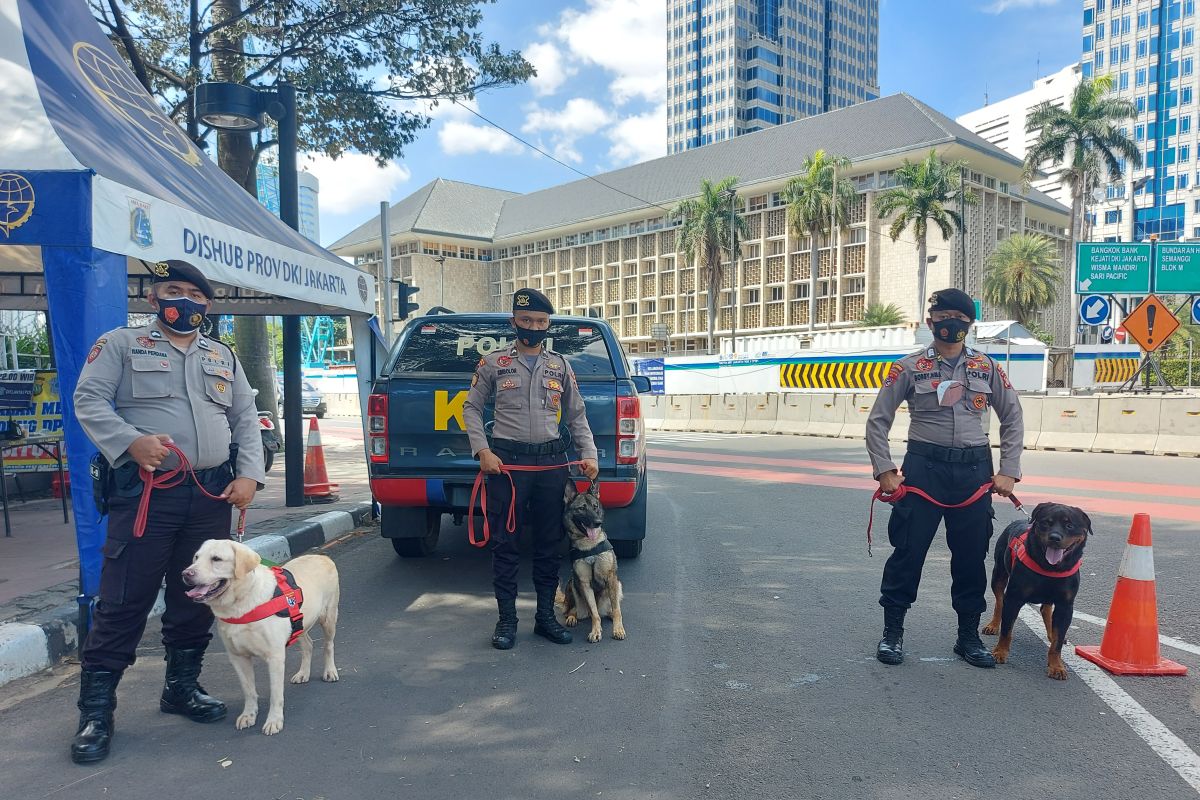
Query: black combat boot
(182, 692)
(545, 624)
(97, 701)
(969, 645)
(505, 635)
(891, 646)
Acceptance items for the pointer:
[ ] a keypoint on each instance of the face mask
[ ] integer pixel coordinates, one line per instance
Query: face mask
(950, 331)
(181, 314)
(531, 338)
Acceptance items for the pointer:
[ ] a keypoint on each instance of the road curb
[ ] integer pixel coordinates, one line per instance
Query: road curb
(34, 644)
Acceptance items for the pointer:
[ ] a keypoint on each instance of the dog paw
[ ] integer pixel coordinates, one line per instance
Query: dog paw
(990, 629)
(331, 675)
(246, 720)
(300, 677)
(1000, 654)
(272, 726)
(1057, 671)
(570, 620)
(594, 636)
(618, 631)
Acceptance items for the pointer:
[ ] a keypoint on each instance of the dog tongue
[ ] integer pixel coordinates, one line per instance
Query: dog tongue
(196, 592)
(593, 533)
(1054, 555)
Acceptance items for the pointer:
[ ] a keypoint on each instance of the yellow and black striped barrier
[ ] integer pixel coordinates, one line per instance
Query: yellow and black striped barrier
(1115, 370)
(834, 374)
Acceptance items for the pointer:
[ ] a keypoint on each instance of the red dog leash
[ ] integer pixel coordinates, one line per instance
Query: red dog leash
(169, 479)
(478, 491)
(903, 489)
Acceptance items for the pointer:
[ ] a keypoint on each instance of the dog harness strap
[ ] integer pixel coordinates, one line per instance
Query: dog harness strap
(1018, 552)
(286, 602)
(579, 555)
(904, 489)
(478, 491)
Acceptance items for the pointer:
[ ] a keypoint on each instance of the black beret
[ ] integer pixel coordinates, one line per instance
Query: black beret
(176, 270)
(531, 300)
(952, 300)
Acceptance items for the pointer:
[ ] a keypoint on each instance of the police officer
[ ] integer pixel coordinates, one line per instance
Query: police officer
(948, 387)
(140, 389)
(532, 386)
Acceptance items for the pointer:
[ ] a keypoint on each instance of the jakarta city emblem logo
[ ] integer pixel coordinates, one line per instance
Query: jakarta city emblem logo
(362, 288)
(17, 200)
(121, 92)
(140, 231)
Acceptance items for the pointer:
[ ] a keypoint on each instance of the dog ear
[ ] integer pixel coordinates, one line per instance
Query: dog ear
(569, 490)
(1087, 521)
(245, 560)
(1038, 509)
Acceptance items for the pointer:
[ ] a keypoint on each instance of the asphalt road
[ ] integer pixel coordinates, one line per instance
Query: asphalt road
(748, 671)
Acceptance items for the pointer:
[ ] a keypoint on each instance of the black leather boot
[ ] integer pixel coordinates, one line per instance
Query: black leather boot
(505, 635)
(891, 646)
(545, 623)
(969, 645)
(182, 692)
(97, 701)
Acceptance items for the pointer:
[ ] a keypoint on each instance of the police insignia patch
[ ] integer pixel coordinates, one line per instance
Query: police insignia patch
(96, 348)
(522, 299)
(161, 269)
(893, 374)
(554, 385)
(1003, 377)
(924, 364)
(196, 319)
(980, 402)
(221, 388)
(504, 361)
(554, 365)
(146, 341)
(508, 384)
(171, 314)
(554, 400)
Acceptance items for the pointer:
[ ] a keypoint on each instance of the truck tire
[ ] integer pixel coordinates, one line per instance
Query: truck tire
(628, 548)
(412, 531)
(626, 527)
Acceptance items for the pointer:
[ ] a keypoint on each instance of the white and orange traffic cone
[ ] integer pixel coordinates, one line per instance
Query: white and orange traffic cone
(1130, 643)
(317, 488)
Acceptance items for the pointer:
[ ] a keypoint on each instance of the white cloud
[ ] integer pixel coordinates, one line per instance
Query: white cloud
(625, 37)
(578, 118)
(640, 137)
(353, 182)
(552, 67)
(460, 138)
(1000, 6)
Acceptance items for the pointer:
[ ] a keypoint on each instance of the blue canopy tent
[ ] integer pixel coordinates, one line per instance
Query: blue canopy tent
(94, 179)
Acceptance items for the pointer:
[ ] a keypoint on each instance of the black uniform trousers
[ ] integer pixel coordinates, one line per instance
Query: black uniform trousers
(179, 521)
(914, 522)
(539, 504)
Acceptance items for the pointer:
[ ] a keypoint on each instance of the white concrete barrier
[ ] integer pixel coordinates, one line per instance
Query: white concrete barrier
(342, 405)
(1179, 427)
(858, 406)
(654, 409)
(1068, 423)
(1031, 418)
(677, 412)
(726, 413)
(827, 415)
(793, 414)
(700, 416)
(1127, 424)
(899, 430)
(762, 413)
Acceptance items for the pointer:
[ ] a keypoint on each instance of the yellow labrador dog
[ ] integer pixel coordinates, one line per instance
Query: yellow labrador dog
(230, 579)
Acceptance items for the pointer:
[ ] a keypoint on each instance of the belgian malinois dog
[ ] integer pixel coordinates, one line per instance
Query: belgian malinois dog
(593, 589)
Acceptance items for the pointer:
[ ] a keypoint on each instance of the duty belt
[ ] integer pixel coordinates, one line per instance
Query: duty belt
(551, 448)
(953, 455)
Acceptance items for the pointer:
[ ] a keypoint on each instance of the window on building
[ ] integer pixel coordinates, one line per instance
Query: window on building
(1089, 16)
(1141, 48)
(1099, 59)
(1189, 36)
(753, 295)
(1124, 53)
(1185, 66)
(1185, 153)
(1123, 81)
(1189, 8)
(1143, 20)
(1112, 217)
(1088, 42)
(1185, 123)
(776, 294)
(1183, 181)
(758, 203)
(799, 291)
(1185, 95)
(1099, 31)
(1139, 77)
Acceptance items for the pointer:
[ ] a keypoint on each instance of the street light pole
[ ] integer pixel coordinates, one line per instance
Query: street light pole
(733, 265)
(441, 280)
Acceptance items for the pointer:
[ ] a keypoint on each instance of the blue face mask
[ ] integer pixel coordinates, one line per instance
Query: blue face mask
(181, 314)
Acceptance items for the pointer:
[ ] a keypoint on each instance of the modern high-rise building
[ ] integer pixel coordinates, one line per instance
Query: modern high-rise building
(1149, 49)
(738, 66)
(267, 178)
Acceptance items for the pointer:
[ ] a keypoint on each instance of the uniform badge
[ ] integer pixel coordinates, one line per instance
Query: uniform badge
(482, 362)
(196, 319)
(504, 361)
(554, 365)
(924, 364)
(522, 299)
(1003, 377)
(221, 388)
(96, 348)
(893, 374)
(509, 383)
(171, 314)
(146, 341)
(554, 400)
(554, 385)
(475, 379)
(979, 401)
(161, 269)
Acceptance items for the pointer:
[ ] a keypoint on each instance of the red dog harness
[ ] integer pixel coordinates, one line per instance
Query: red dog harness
(286, 602)
(1018, 552)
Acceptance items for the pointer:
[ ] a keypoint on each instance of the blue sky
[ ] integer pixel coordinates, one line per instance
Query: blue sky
(596, 103)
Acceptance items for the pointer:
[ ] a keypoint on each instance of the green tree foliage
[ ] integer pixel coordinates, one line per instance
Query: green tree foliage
(818, 201)
(1023, 276)
(878, 315)
(705, 237)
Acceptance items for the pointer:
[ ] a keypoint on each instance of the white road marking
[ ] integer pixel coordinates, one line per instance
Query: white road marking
(1169, 747)
(655, 437)
(1169, 641)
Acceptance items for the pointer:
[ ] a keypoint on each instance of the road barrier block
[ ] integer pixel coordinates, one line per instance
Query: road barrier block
(728, 413)
(1068, 423)
(827, 415)
(899, 430)
(762, 411)
(1128, 424)
(793, 414)
(858, 407)
(1031, 419)
(654, 409)
(1179, 427)
(702, 419)
(677, 412)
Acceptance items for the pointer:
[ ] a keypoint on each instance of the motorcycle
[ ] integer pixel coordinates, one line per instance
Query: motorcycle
(270, 437)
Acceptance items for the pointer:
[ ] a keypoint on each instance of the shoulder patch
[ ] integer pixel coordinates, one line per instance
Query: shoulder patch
(893, 373)
(1003, 377)
(96, 348)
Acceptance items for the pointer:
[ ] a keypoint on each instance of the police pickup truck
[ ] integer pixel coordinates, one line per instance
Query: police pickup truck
(419, 457)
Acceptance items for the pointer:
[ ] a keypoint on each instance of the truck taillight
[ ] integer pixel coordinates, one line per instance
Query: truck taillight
(629, 430)
(377, 428)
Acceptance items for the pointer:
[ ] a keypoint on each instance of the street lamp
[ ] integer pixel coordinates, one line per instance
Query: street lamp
(441, 260)
(240, 108)
(731, 195)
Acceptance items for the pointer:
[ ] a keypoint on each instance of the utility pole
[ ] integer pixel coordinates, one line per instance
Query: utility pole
(962, 233)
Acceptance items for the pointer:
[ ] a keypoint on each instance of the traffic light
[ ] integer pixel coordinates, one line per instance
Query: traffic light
(403, 303)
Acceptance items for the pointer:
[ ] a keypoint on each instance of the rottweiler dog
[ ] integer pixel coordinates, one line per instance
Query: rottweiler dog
(1038, 562)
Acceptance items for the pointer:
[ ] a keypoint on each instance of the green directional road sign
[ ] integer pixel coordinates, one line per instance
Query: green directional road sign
(1177, 268)
(1112, 268)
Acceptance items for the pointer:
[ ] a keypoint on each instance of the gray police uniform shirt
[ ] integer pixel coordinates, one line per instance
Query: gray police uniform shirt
(528, 401)
(135, 382)
(916, 377)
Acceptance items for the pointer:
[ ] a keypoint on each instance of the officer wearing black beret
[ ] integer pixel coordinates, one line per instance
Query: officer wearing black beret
(948, 387)
(532, 387)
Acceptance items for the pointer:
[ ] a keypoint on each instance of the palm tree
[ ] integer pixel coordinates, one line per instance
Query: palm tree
(927, 192)
(878, 315)
(1085, 137)
(817, 200)
(1023, 274)
(705, 234)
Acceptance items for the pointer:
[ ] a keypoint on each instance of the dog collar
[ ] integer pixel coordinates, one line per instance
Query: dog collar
(286, 602)
(590, 555)
(1018, 552)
